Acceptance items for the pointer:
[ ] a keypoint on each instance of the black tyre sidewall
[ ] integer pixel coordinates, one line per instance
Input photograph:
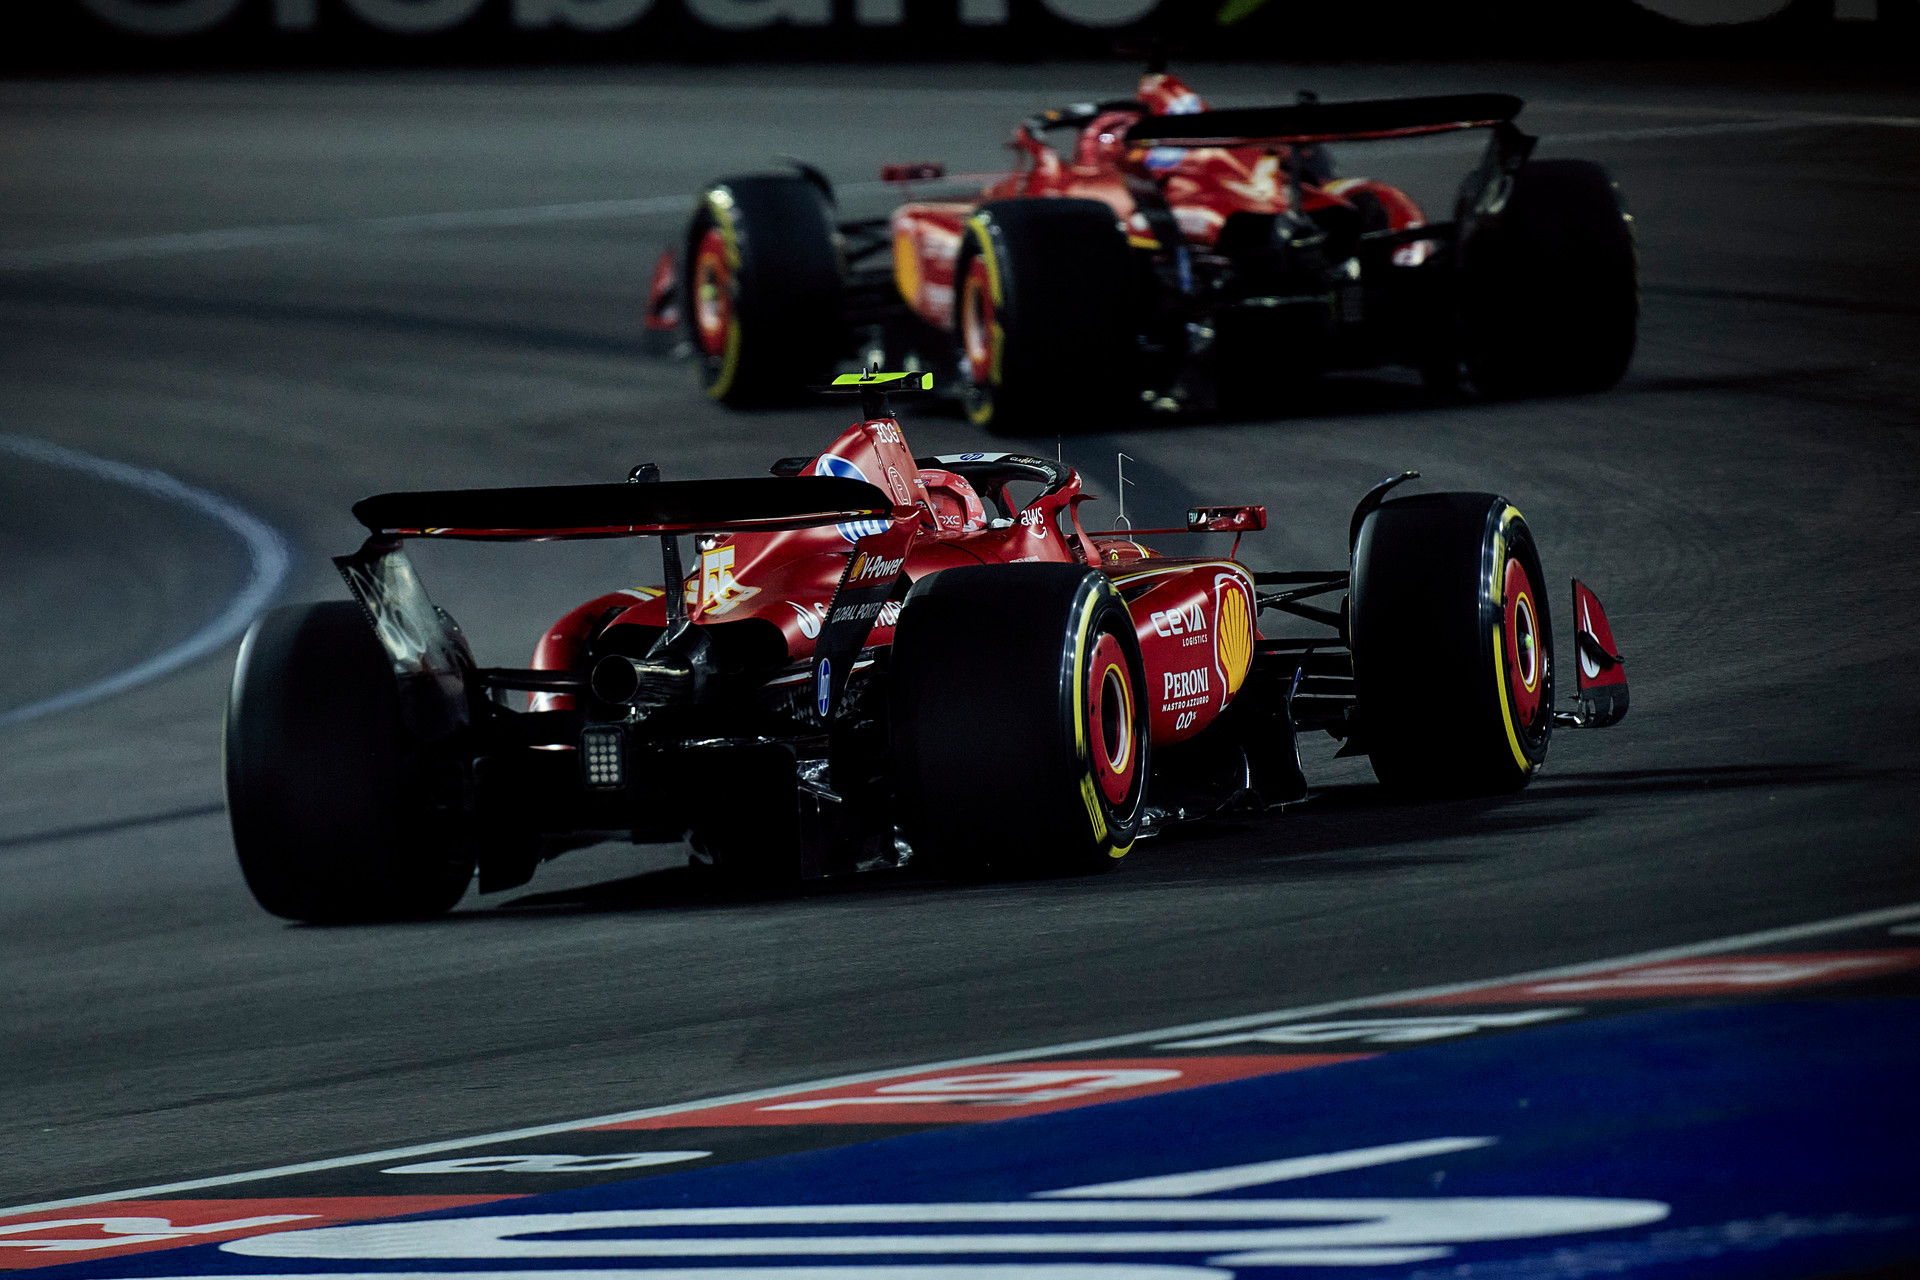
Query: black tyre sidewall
(322, 781)
(1428, 634)
(787, 310)
(1065, 301)
(989, 771)
(1551, 286)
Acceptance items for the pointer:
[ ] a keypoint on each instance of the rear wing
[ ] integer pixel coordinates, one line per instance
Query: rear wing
(1312, 122)
(624, 510)
(1482, 192)
(430, 657)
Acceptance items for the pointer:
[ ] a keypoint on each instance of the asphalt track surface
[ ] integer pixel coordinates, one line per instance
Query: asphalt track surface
(1746, 503)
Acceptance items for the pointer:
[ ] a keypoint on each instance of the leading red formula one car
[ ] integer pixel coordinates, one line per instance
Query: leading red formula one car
(1174, 255)
(874, 658)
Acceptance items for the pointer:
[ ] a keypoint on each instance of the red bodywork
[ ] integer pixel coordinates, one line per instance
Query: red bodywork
(1195, 617)
(1202, 186)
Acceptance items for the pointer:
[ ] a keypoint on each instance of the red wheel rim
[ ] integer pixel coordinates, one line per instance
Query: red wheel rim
(712, 293)
(1112, 744)
(977, 323)
(1526, 660)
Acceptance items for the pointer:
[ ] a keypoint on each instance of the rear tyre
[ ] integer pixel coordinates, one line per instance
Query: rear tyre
(763, 292)
(327, 794)
(1019, 721)
(1452, 645)
(1042, 304)
(1551, 299)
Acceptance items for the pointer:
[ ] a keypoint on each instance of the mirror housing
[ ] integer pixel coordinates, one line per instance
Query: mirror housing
(1226, 519)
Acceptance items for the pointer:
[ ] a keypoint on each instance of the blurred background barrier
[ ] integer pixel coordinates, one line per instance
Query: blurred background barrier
(103, 34)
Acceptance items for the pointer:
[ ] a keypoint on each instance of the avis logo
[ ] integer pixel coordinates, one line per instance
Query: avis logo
(1104, 1227)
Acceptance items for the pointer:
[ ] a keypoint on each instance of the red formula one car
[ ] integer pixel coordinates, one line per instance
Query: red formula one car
(873, 658)
(1174, 256)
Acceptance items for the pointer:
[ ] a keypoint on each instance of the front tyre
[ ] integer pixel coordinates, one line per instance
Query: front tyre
(1452, 645)
(1019, 725)
(326, 790)
(763, 307)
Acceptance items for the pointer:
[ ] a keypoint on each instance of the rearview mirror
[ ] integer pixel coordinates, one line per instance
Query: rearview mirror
(1226, 519)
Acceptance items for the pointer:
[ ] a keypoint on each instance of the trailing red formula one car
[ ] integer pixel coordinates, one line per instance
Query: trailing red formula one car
(1175, 256)
(874, 657)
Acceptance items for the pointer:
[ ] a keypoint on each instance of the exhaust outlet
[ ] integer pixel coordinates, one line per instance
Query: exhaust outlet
(641, 682)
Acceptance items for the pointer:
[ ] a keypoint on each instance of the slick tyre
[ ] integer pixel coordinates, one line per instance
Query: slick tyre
(1019, 725)
(763, 308)
(1551, 285)
(326, 793)
(1452, 645)
(1042, 307)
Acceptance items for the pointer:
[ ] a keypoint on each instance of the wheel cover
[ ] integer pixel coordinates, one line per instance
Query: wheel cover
(979, 326)
(1526, 661)
(1111, 730)
(712, 293)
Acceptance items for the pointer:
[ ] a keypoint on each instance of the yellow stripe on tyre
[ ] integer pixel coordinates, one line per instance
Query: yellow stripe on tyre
(1089, 788)
(983, 236)
(978, 226)
(1497, 592)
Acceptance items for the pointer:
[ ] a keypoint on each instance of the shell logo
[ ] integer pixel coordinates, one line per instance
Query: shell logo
(1233, 635)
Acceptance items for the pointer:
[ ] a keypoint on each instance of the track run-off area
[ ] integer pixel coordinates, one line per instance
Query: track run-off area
(930, 1147)
(1654, 1016)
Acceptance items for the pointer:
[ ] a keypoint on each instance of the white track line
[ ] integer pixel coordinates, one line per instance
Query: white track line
(100, 251)
(268, 562)
(1738, 942)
